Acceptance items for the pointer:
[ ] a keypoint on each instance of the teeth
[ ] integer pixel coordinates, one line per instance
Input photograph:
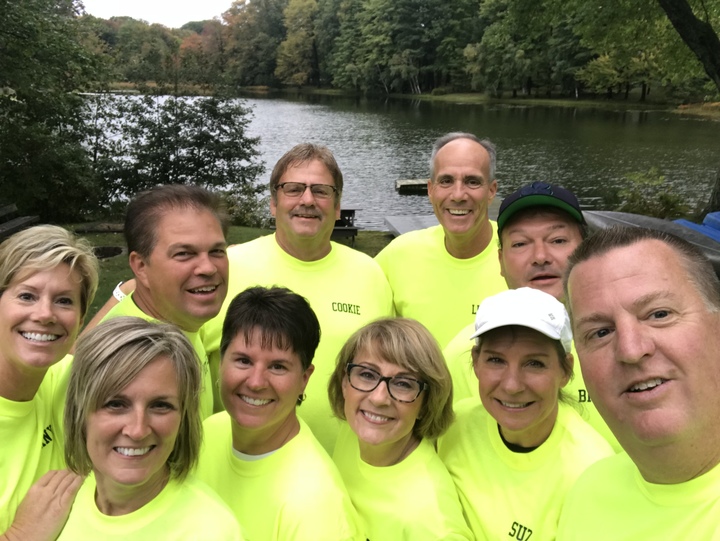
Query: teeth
(373, 417)
(458, 212)
(130, 451)
(255, 401)
(206, 289)
(645, 385)
(38, 337)
(515, 405)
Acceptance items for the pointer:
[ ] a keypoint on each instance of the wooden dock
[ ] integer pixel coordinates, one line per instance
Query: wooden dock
(398, 225)
(413, 186)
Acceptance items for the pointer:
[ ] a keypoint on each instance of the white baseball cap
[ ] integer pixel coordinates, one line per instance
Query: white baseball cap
(526, 307)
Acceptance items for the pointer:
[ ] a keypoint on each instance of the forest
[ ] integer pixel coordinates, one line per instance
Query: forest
(505, 48)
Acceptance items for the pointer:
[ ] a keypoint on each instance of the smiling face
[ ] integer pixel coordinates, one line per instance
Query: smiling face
(648, 345)
(184, 280)
(39, 321)
(383, 425)
(520, 377)
(259, 389)
(535, 249)
(462, 189)
(130, 437)
(304, 224)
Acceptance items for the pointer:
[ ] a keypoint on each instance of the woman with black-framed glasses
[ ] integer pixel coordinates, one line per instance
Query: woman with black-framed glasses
(392, 387)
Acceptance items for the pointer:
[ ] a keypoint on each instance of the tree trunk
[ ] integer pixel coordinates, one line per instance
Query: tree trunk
(713, 204)
(697, 34)
(643, 91)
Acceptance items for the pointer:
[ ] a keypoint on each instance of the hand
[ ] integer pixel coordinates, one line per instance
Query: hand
(44, 510)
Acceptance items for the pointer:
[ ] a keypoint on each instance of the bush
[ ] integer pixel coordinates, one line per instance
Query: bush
(648, 193)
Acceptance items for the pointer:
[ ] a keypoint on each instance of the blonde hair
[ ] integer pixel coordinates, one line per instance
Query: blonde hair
(108, 359)
(409, 345)
(45, 247)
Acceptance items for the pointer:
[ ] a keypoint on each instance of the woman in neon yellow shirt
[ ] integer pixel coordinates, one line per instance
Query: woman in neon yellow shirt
(392, 387)
(516, 451)
(133, 424)
(48, 279)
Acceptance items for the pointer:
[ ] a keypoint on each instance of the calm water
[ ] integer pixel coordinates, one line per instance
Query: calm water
(586, 150)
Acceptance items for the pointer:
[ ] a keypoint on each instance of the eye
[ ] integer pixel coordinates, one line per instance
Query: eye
(494, 360)
(518, 244)
(114, 404)
(445, 182)
(218, 252)
(534, 363)
(402, 383)
(600, 333)
(366, 374)
(25, 296)
(473, 183)
(163, 406)
(278, 367)
(559, 241)
(659, 314)
(65, 301)
(243, 362)
(182, 255)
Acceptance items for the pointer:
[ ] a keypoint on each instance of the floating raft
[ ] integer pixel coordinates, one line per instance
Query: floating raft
(398, 225)
(414, 186)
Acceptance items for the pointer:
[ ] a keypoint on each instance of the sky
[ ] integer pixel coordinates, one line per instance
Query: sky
(171, 13)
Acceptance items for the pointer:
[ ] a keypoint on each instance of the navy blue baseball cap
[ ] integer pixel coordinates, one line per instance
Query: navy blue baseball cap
(539, 194)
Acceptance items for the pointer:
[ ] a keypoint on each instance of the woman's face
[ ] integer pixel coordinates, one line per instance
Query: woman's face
(520, 378)
(40, 316)
(131, 435)
(260, 387)
(379, 420)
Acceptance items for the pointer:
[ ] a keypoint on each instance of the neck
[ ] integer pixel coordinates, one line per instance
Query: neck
(17, 384)
(265, 439)
(534, 436)
(390, 454)
(114, 499)
(143, 299)
(677, 462)
(304, 249)
(469, 245)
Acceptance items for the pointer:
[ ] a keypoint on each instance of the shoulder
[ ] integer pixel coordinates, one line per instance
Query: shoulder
(213, 517)
(577, 433)
(412, 239)
(236, 251)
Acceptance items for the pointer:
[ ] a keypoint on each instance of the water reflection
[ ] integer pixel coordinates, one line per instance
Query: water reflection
(586, 150)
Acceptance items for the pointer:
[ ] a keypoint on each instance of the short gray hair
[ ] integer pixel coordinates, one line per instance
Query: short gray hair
(452, 136)
(107, 359)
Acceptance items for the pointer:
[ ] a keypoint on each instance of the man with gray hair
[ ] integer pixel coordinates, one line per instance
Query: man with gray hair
(645, 309)
(439, 275)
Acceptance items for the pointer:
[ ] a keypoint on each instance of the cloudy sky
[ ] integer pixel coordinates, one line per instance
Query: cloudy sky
(171, 13)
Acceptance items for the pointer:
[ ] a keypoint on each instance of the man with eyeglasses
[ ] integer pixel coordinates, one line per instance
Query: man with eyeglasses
(539, 226)
(439, 275)
(345, 287)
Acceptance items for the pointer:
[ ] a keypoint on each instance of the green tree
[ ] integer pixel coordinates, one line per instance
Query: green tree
(297, 62)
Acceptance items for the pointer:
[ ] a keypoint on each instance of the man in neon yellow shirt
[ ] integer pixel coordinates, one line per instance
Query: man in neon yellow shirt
(539, 226)
(345, 287)
(439, 275)
(645, 308)
(175, 236)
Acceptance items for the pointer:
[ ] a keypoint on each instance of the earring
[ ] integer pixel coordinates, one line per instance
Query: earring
(301, 399)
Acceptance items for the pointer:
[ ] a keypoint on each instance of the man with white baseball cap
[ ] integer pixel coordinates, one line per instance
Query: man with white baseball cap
(515, 451)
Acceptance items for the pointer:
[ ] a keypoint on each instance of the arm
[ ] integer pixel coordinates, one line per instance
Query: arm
(45, 508)
(125, 288)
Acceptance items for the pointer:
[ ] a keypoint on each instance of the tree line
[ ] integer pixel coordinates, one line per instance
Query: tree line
(501, 47)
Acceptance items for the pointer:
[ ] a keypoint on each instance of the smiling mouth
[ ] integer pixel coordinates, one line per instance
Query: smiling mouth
(646, 385)
(255, 401)
(39, 337)
(133, 451)
(374, 417)
(458, 212)
(204, 290)
(515, 405)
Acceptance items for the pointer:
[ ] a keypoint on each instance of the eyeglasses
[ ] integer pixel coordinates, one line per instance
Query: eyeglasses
(537, 188)
(296, 189)
(400, 388)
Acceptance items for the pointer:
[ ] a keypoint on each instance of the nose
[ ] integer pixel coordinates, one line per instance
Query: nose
(256, 379)
(458, 190)
(307, 198)
(633, 342)
(205, 265)
(540, 253)
(380, 396)
(137, 426)
(512, 382)
(43, 312)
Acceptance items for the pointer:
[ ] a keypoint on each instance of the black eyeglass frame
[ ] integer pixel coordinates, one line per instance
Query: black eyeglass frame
(311, 186)
(386, 379)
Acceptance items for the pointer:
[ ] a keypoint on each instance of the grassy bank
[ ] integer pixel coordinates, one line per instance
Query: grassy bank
(115, 269)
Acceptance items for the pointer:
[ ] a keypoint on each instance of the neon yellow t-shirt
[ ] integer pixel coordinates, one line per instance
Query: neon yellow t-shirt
(516, 495)
(187, 511)
(465, 384)
(127, 307)
(31, 439)
(611, 500)
(346, 289)
(293, 494)
(414, 500)
(439, 290)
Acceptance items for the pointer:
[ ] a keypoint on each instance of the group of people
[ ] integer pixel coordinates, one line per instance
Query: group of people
(228, 393)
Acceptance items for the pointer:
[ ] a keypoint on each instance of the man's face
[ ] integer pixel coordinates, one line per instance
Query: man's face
(304, 219)
(462, 188)
(648, 345)
(535, 248)
(186, 274)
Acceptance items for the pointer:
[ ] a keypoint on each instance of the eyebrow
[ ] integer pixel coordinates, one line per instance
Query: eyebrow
(187, 246)
(637, 304)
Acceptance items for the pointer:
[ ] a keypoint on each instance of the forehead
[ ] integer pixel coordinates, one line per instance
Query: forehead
(539, 220)
(626, 275)
(187, 225)
(462, 154)
(312, 171)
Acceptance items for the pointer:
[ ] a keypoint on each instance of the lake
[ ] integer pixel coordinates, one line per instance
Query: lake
(586, 150)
